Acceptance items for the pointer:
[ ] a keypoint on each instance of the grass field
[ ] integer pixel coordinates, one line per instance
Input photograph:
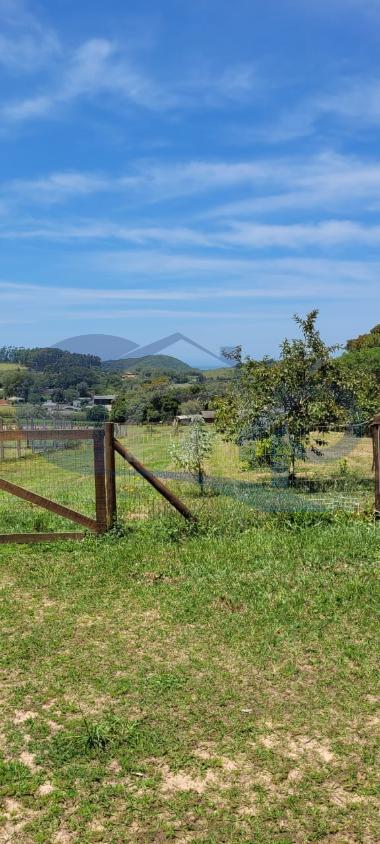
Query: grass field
(11, 367)
(218, 686)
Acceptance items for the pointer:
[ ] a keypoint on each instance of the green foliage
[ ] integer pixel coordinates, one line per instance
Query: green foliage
(190, 450)
(365, 341)
(97, 413)
(190, 407)
(362, 368)
(267, 451)
(37, 372)
(290, 398)
(151, 365)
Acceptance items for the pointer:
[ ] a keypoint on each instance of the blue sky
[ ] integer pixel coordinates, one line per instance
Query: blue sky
(206, 167)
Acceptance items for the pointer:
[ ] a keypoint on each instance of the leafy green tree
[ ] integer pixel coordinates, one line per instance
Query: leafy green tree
(97, 413)
(119, 410)
(365, 341)
(190, 407)
(190, 450)
(289, 399)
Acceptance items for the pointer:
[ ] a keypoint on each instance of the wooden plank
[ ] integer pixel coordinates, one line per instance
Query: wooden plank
(376, 463)
(2, 447)
(28, 538)
(47, 504)
(109, 457)
(100, 481)
(155, 482)
(47, 434)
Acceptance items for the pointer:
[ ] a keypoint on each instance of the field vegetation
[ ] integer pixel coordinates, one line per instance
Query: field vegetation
(217, 686)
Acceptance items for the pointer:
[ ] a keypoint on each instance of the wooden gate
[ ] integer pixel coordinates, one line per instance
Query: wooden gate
(101, 521)
(104, 447)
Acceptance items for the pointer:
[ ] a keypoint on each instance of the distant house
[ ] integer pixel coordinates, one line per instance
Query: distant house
(126, 376)
(103, 401)
(183, 419)
(208, 416)
(15, 399)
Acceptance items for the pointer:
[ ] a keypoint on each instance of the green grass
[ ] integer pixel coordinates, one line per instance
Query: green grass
(11, 367)
(211, 686)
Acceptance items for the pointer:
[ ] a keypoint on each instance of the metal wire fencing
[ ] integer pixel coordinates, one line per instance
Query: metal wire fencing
(340, 477)
(234, 475)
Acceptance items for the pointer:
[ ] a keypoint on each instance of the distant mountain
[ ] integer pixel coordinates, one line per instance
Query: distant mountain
(149, 363)
(105, 346)
(108, 347)
(159, 346)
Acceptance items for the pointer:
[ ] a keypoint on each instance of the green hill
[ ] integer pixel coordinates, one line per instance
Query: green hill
(150, 363)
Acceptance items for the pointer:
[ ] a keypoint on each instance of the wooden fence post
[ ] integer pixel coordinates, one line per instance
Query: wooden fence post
(2, 446)
(376, 462)
(109, 456)
(100, 480)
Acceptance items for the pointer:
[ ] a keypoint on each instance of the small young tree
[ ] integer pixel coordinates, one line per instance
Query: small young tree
(289, 399)
(190, 450)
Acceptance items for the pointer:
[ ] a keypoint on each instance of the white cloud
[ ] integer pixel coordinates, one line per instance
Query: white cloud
(297, 236)
(102, 66)
(26, 44)
(267, 279)
(253, 236)
(356, 100)
(96, 67)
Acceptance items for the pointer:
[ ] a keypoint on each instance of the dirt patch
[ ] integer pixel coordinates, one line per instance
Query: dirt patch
(15, 819)
(23, 715)
(45, 789)
(114, 766)
(295, 747)
(63, 837)
(28, 760)
(339, 796)
(185, 782)
(53, 726)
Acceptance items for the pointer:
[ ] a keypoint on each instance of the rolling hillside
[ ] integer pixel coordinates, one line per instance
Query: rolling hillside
(158, 363)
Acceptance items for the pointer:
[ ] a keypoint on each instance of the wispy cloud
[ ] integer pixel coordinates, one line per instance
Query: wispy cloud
(102, 66)
(269, 184)
(252, 236)
(26, 44)
(289, 279)
(96, 67)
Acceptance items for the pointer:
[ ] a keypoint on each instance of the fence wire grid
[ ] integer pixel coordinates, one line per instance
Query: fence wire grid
(340, 479)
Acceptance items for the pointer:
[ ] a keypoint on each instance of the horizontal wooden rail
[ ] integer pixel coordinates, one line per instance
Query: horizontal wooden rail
(26, 538)
(49, 434)
(40, 501)
(155, 482)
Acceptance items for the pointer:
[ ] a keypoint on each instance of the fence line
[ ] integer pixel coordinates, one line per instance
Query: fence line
(105, 469)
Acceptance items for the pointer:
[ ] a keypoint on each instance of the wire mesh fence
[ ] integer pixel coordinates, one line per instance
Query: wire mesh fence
(61, 470)
(340, 478)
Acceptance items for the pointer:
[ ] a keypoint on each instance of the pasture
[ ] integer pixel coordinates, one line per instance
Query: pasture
(172, 683)
(218, 686)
